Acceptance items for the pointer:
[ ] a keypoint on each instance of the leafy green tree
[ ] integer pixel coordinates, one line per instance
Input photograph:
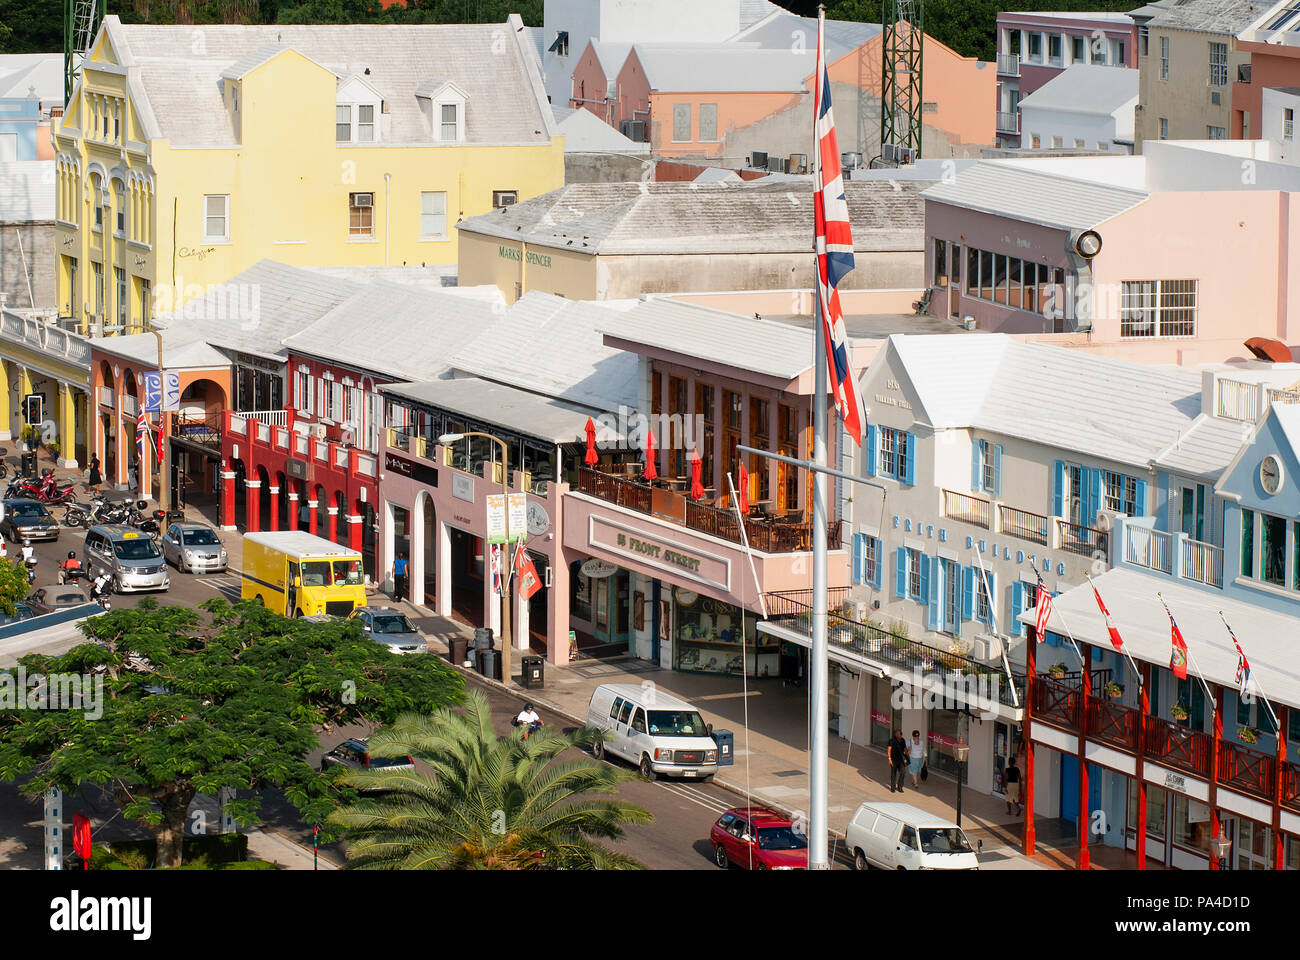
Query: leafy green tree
(192, 707)
(13, 585)
(493, 803)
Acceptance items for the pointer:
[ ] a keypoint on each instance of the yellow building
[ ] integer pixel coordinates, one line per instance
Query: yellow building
(189, 153)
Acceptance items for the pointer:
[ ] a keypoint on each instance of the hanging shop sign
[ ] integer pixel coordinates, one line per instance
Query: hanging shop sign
(420, 472)
(598, 569)
(686, 597)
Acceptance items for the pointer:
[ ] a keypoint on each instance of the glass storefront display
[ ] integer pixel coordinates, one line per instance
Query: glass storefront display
(1155, 811)
(946, 729)
(1191, 820)
(709, 634)
(1006, 744)
(884, 718)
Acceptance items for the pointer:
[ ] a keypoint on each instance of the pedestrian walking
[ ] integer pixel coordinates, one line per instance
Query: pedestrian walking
(93, 478)
(916, 759)
(897, 761)
(399, 577)
(1011, 785)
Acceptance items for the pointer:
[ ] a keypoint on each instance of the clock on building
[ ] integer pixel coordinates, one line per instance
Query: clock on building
(1270, 474)
(538, 521)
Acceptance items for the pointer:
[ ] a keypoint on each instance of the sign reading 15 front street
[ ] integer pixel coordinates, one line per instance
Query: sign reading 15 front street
(496, 516)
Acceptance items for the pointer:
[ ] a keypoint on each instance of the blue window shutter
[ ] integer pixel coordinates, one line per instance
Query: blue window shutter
(869, 452)
(977, 465)
(880, 563)
(1094, 497)
(1058, 490)
(930, 579)
(968, 593)
(923, 594)
(900, 572)
(997, 470)
(909, 467)
(1017, 629)
(1163, 520)
(857, 557)
(993, 597)
(1140, 499)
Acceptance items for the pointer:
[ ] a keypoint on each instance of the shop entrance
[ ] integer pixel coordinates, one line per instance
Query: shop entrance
(538, 606)
(1070, 788)
(1006, 744)
(429, 560)
(709, 638)
(467, 577)
(885, 717)
(108, 424)
(369, 527)
(1253, 847)
(611, 616)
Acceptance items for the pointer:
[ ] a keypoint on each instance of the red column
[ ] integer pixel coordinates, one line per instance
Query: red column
(311, 516)
(333, 524)
(1139, 771)
(1085, 859)
(354, 532)
(1279, 848)
(252, 504)
(1031, 667)
(228, 499)
(1215, 825)
(273, 493)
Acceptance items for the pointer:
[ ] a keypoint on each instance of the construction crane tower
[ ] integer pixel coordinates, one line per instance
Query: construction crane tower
(80, 22)
(901, 104)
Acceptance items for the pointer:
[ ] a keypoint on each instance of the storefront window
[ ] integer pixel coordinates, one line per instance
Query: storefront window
(1292, 861)
(884, 718)
(580, 600)
(1191, 824)
(946, 729)
(704, 442)
(1155, 811)
(709, 638)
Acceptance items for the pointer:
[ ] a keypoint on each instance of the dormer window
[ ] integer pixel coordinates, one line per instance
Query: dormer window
(365, 123)
(443, 106)
(343, 123)
(450, 126)
(357, 112)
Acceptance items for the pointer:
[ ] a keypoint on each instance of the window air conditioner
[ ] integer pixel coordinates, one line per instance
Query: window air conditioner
(758, 160)
(986, 647)
(363, 199)
(318, 431)
(797, 163)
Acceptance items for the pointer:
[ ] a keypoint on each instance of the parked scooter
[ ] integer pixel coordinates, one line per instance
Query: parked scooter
(50, 492)
(4, 467)
(76, 514)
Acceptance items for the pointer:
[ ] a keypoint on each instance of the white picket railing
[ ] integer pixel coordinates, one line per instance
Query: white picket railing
(1148, 548)
(1203, 562)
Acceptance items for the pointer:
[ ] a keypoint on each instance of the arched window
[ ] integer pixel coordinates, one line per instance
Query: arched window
(97, 199)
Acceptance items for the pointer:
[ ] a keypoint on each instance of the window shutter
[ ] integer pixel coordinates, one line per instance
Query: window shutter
(923, 563)
(1058, 489)
(869, 451)
(857, 557)
(977, 465)
(880, 563)
(997, 470)
(908, 470)
(1164, 515)
(993, 598)
(900, 572)
(1017, 608)
(1140, 499)
(968, 593)
(930, 589)
(1094, 498)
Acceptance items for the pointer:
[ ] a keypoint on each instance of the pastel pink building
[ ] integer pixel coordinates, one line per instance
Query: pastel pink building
(1177, 256)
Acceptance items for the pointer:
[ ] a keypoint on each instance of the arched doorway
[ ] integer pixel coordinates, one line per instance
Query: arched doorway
(263, 499)
(241, 494)
(429, 554)
(340, 518)
(322, 512)
(108, 429)
(130, 451)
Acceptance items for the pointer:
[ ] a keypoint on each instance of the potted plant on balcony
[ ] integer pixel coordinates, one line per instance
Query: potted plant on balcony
(1178, 712)
(1248, 735)
(1056, 671)
(1113, 690)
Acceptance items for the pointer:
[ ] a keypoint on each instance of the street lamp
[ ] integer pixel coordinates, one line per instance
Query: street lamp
(960, 751)
(1219, 847)
(506, 564)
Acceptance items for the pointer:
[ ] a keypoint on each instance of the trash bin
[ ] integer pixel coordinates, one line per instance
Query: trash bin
(726, 741)
(482, 638)
(28, 468)
(533, 672)
(459, 647)
(487, 663)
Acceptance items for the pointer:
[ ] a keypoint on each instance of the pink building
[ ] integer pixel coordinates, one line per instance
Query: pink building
(1177, 256)
(1034, 48)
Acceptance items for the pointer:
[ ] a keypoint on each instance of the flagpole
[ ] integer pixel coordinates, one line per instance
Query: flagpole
(1262, 695)
(744, 539)
(1190, 656)
(1124, 649)
(1057, 610)
(993, 618)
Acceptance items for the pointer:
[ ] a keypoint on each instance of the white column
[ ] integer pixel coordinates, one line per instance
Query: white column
(384, 562)
(415, 582)
(443, 577)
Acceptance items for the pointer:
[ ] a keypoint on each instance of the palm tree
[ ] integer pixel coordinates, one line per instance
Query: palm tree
(493, 803)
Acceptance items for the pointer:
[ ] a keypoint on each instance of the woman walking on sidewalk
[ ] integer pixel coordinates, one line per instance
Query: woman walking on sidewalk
(1011, 782)
(915, 759)
(93, 477)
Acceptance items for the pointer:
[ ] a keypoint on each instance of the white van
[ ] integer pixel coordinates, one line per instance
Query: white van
(899, 836)
(655, 731)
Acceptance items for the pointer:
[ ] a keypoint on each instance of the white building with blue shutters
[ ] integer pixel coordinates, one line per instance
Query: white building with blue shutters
(1019, 457)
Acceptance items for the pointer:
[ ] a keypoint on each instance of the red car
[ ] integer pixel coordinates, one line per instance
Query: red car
(758, 836)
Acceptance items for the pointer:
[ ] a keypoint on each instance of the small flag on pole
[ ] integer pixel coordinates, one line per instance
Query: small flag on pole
(1243, 665)
(1178, 655)
(141, 434)
(1110, 624)
(1044, 609)
(525, 572)
(160, 438)
(496, 568)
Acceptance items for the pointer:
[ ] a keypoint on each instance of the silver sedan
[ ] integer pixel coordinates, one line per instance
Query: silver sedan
(194, 547)
(392, 628)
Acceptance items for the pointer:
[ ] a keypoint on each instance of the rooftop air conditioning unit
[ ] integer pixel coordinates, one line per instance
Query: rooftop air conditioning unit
(758, 160)
(798, 163)
(986, 647)
(634, 130)
(318, 431)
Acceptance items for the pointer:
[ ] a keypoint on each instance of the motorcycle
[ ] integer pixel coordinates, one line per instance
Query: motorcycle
(30, 563)
(75, 514)
(50, 492)
(99, 591)
(23, 487)
(4, 467)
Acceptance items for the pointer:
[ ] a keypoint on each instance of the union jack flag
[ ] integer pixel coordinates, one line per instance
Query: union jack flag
(834, 242)
(1243, 665)
(141, 435)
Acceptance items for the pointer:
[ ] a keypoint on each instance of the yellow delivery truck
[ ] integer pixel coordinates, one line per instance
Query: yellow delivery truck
(299, 575)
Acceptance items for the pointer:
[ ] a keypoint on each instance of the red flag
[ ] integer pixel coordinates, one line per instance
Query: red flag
(591, 457)
(160, 439)
(1044, 609)
(1178, 655)
(744, 489)
(1110, 626)
(651, 472)
(81, 838)
(697, 487)
(526, 573)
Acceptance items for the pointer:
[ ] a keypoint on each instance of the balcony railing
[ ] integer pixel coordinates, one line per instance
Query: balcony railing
(1008, 65)
(130, 406)
(205, 431)
(1085, 541)
(968, 509)
(1291, 786)
(1179, 746)
(793, 610)
(1203, 562)
(106, 397)
(1149, 548)
(1111, 722)
(1247, 770)
(276, 418)
(1057, 703)
(1023, 524)
(766, 535)
(1238, 400)
(1008, 122)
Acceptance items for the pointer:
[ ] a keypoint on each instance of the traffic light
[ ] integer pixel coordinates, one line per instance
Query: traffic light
(34, 408)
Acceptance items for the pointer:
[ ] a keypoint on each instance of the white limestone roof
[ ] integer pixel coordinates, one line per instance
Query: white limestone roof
(780, 29)
(27, 191)
(183, 349)
(725, 67)
(184, 90)
(1267, 637)
(519, 410)
(737, 340)
(751, 11)
(554, 346)
(1033, 195)
(1086, 88)
(1205, 448)
(404, 332)
(1206, 16)
(432, 276)
(1110, 409)
(584, 132)
(1067, 15)
(611, 55)
(19, 72)
(704, 218)
(717, 175)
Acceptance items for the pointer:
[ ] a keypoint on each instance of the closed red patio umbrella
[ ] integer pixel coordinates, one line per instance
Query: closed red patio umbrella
(744, 490)
(591, 457)
(650, 471)
(697, 467)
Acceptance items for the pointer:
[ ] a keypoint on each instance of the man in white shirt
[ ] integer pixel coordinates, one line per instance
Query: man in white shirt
(529, 719)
